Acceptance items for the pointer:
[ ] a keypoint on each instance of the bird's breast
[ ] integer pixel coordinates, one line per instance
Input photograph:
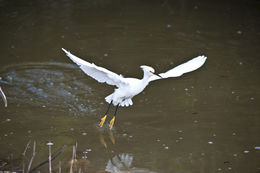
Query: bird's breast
(135, 87)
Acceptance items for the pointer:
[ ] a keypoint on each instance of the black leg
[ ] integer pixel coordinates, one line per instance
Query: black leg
(103, 119)
(116, 110)
(113, 119)
(108, 107)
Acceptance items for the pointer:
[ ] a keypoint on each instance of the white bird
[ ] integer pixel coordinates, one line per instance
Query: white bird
(127, 88)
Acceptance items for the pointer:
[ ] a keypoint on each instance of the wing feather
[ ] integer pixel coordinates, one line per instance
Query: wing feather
(99, 73)
(186, 67)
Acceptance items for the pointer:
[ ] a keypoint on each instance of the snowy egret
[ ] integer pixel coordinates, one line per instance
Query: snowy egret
(127, 88)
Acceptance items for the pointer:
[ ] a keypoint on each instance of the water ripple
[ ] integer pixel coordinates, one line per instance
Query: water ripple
(55, 86)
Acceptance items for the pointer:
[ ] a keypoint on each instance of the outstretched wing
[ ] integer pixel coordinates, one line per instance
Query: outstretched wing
(188, 66)
(99, 73)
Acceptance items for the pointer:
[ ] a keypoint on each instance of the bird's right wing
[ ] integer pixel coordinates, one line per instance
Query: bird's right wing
(99, 73)
(186, 67)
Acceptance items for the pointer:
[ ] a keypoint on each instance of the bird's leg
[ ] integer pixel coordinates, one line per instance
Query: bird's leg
(103, 119)
(113, 119)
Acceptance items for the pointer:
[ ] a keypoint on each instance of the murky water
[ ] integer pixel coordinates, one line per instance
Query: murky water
(205, 121)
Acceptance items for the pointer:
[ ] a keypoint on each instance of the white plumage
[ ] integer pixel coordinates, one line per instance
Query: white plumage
(127, 88)
(186, 67)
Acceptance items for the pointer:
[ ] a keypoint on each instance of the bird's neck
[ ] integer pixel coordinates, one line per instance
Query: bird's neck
(145, 79)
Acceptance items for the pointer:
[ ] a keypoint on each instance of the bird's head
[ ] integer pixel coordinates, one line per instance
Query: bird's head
(149, 71)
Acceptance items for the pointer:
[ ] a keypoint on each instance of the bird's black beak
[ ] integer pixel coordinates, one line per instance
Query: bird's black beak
(158, 75)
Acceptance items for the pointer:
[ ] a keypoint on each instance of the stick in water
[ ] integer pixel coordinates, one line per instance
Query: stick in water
(33, 155)
(50, 144)
(3, 96)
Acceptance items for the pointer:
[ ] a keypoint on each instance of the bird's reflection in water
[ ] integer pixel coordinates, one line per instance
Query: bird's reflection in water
(122, 162)
(111, 137)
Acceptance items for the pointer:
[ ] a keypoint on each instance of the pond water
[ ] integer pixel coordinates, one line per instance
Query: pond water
(204, 121)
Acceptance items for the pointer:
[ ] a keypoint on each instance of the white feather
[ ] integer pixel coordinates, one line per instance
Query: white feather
(129, 87)
(99, 73)
(189, 66)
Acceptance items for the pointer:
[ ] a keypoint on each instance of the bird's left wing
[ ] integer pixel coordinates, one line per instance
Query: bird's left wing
(99, 73)
(186, 67)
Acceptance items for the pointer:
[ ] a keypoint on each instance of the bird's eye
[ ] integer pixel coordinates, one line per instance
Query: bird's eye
(151, 71)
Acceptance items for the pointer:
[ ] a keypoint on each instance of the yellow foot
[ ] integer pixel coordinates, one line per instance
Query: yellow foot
(112, 122)
(102, 121)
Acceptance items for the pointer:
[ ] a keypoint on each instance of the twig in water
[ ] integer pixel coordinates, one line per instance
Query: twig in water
(24, 152)
(27, 145)
(50, 159)
(59, 166)
(75, 156)
(23, 167)
(50, 144)
(54, 155)
(3, 96)
(33, 155)
(72, 159)
(74, 148)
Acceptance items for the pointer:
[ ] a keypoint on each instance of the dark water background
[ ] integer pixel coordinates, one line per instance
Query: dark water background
(205, 121)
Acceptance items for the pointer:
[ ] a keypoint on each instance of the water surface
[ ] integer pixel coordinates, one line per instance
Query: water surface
(205, 121)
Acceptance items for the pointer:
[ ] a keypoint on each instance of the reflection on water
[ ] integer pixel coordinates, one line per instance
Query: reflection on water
(111, 137)
(123, 163)
(119, 162)
(207, 121)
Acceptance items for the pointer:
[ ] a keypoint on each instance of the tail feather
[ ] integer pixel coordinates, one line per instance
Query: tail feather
(127, 102)
(109, 98)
